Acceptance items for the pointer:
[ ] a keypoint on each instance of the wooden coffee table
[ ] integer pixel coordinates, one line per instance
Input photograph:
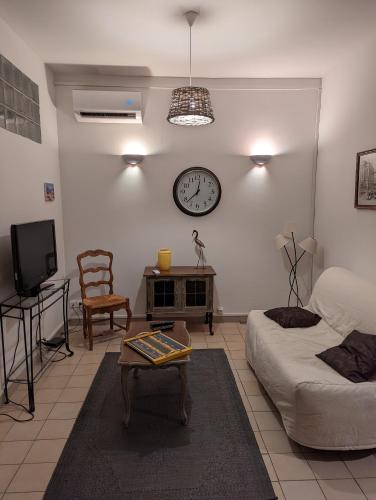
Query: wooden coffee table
(131, 360)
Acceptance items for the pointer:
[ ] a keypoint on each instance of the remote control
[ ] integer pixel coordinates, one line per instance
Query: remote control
(156, 271)
(165, 328)
(157, 324)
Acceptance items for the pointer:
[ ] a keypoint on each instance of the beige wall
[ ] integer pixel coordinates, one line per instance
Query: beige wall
(348, 125)
(132, 212)
(24, 167)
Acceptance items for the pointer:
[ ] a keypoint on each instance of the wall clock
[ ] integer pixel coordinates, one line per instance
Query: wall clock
(197, 191)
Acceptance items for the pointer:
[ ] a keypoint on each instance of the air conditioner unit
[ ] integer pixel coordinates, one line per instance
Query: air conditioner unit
(102, 106)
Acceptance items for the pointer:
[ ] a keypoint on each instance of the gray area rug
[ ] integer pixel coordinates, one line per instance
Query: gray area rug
(215, 457)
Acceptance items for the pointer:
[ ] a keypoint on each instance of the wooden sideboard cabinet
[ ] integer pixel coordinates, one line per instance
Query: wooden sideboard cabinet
(183, 291)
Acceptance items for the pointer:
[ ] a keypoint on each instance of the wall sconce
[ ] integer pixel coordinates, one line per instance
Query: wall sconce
(133, 160)
(261, 160)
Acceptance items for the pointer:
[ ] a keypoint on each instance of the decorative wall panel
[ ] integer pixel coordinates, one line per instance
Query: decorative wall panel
(19, 102)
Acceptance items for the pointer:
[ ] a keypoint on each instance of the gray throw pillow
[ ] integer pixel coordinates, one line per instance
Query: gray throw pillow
(293, 317)
(355, 358)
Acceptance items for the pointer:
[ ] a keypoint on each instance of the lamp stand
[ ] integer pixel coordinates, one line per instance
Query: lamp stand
(293, 279)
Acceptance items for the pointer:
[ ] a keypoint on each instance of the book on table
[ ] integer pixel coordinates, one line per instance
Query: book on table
(157, 347)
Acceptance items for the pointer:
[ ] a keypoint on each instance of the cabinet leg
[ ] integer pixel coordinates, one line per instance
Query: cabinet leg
(89, 329)
(211, 323)
(31, 398)
(183, 396)
(126, 393)
(84, 323)
(29, 360)
(206, 318)
(149, 317)
(5, 379)
(129, 316)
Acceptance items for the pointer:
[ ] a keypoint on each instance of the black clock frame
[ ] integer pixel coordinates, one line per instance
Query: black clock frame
(175, 191)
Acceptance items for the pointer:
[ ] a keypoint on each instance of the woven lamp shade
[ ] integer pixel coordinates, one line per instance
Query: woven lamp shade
(190, 106)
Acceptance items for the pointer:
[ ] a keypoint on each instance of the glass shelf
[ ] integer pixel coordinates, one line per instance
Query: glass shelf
(49, 288)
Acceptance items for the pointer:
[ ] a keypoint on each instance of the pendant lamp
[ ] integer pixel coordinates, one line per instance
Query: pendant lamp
(190, 105)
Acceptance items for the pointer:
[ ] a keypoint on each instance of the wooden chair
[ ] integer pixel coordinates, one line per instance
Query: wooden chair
(100, 304)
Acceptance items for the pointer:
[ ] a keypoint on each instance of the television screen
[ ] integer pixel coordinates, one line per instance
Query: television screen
(34, 255)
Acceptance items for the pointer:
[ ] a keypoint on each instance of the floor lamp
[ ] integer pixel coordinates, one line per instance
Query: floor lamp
(308, 245)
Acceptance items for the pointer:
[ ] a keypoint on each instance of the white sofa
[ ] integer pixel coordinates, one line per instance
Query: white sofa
(319, 408)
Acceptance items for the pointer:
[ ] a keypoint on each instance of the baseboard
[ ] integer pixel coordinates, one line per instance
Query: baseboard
(217, 318)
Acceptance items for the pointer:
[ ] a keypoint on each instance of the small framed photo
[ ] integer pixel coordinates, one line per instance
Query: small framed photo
(49, 191)
(365, 180)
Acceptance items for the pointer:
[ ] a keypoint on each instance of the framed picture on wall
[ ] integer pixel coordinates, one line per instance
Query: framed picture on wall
(365, 180)
(49, 191)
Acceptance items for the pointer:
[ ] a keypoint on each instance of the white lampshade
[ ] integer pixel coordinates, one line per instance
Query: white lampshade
(281, 241)
(309, 245)
(290, 227)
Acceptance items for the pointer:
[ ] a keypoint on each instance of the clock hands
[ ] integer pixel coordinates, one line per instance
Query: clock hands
(196, 193)
(192, 197)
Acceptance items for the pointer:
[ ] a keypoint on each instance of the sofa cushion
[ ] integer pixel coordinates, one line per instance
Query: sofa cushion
(355, 358)
(293, 317)
(345, 301)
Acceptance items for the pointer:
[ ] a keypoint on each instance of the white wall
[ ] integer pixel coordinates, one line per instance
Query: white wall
(348, 125)
(24, 167)
(132, 212)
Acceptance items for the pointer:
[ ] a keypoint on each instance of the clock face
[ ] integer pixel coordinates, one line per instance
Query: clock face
(197, 191)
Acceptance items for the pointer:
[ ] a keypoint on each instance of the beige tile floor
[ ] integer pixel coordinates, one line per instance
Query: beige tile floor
(30, 451)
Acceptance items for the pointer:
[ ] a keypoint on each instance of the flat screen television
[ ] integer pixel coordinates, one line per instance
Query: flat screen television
(34, 255)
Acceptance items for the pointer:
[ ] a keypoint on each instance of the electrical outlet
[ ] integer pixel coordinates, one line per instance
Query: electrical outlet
(220, 309)
(76, 304)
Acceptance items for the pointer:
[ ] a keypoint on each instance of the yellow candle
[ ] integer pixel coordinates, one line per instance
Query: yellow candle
(164, 259)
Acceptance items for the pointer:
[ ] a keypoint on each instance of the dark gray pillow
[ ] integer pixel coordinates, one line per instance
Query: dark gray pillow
(293, 317)
(355, 358)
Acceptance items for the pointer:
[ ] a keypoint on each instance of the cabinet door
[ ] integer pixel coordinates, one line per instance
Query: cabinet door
(164, 294)
(195, 293)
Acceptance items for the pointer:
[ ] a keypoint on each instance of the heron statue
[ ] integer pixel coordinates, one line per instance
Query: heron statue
(199, 248)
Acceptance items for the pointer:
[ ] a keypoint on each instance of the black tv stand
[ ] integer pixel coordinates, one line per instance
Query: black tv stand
(45, 286)
(25, 310)
(36, 290)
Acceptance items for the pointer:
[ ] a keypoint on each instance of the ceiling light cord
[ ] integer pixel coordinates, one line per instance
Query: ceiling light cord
(190, 56)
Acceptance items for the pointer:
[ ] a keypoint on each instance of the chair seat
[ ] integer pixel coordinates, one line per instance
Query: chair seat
(102, 301)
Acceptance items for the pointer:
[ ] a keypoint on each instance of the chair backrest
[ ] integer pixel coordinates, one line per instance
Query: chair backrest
(345, 301)
(107, 268)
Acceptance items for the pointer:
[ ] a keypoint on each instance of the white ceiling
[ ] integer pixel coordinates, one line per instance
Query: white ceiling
(231, 38)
